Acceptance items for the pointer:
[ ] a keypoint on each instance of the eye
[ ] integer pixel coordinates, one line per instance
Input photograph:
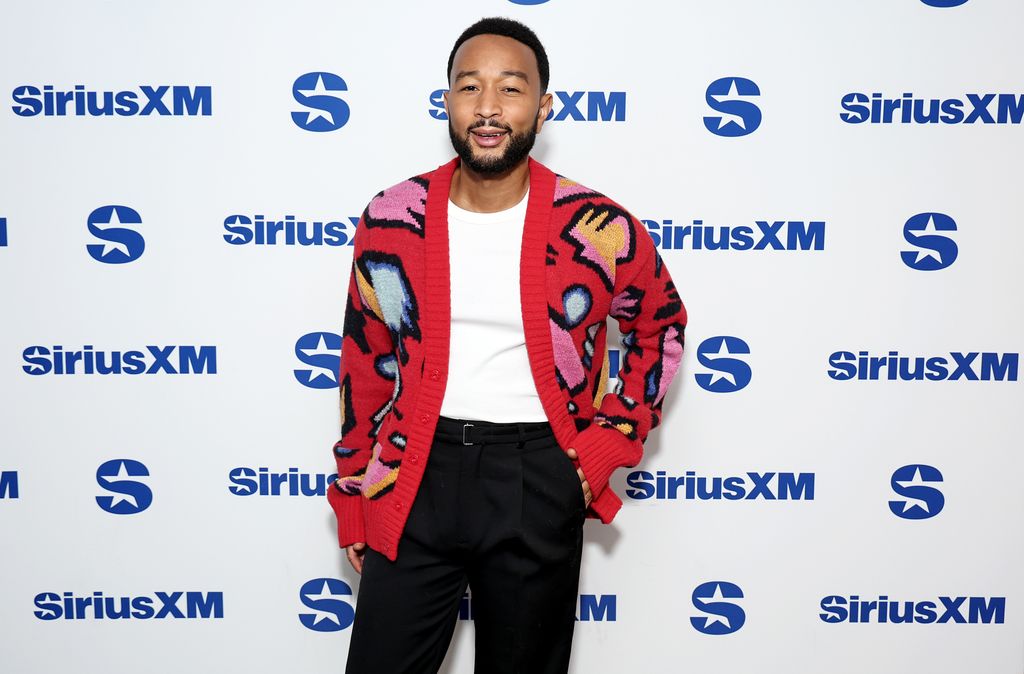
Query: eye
(468, 87)
(512, 90)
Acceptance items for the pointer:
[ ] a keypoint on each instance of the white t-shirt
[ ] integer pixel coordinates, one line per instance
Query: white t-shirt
(489, 376)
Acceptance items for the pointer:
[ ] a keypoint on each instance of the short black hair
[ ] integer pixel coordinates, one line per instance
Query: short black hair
(499, 25)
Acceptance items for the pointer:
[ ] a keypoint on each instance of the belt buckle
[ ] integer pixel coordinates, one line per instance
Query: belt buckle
(465, 428)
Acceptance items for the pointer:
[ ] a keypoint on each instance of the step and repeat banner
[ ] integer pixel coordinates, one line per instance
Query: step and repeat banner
(835, 187)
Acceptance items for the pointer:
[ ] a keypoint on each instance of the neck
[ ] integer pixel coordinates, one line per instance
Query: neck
(489, 192)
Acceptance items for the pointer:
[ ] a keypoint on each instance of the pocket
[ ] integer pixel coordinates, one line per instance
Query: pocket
(572, 476)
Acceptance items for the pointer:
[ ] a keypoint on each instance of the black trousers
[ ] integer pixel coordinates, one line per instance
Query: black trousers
(503, 515)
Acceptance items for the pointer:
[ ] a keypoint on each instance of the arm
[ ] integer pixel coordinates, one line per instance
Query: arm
(363, 394)
(651, 319)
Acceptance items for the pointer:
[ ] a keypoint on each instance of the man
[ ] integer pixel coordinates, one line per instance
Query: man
(476, 432)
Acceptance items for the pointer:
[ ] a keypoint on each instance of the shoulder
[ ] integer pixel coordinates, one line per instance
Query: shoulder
(578, 205)
(400, 206)
(574, 197)
(601, 230)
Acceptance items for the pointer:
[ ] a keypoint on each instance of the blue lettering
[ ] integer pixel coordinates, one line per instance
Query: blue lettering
(806, 236)
(606, 107)
(594, 608)
(1000, 367)
(192, 101)
(570, 101)
(437, 104)
(9, 484)
(796, 486)
(242, 482)
(602, 106)
(640, 487)
(834, 608)
(991, 610)
(202, 362)
(1011, 108)
(204, 605)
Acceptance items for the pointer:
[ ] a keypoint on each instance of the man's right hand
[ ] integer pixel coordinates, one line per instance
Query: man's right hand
(355, 553)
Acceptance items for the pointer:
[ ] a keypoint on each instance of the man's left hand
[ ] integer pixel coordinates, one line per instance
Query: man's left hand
(587, 496)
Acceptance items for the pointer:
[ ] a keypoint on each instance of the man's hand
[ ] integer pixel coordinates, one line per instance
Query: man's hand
(587, 496)
(355, 553)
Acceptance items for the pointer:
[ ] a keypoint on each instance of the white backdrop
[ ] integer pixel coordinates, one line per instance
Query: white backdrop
(125, 485)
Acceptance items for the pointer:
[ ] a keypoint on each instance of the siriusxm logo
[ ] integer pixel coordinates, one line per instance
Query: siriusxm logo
(241, 229)
(944, 3)
(121, 244)
(839, 609)
(600, 106)
(737, 117)
(768, 235)
(132, 496)
(9, 484)
(860, 108)
(329, 599)
(3, 231)
(642, 485)
(319, 93)
(321, 353)
(159, 606)
(592, 608)
(189, 359)
(921, 498)
(847, 365)
(185, 101)
(935, 251)
(729, 374)
(725, 617)
(262, 482)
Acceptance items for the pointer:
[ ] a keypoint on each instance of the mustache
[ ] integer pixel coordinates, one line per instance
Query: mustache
(494, 124)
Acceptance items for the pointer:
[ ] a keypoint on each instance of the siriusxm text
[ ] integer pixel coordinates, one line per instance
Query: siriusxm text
(976, 109)
(765, 235)
(853, 609)
(158, 606)
(264, 482)
(258, 230)
(642, 485)
(970, 366)
(184, 359)
(30, 101)
(599, 106)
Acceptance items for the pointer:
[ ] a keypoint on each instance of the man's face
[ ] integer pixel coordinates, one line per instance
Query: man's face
(495, 106)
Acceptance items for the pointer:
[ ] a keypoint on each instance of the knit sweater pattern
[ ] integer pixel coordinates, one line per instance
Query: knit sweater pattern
(583, 258)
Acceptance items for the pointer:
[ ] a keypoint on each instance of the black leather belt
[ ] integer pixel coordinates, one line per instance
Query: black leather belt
(474, 432)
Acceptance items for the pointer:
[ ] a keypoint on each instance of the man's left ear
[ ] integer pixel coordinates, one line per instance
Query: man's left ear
(546, 101)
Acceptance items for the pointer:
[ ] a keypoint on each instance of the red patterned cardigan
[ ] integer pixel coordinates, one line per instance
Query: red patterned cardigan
(583, 259)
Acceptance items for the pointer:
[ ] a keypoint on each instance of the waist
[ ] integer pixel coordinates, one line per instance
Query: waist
(475, 432)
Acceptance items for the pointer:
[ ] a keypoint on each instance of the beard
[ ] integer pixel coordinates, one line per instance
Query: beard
(516, 150)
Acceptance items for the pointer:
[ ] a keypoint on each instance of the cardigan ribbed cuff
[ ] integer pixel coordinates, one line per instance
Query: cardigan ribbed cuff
(349, 510)
(601, 450)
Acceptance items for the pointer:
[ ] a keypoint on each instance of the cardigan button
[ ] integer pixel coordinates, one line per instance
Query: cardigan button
(398, 505)
(424, 418)
(435, 374)
(414, 458)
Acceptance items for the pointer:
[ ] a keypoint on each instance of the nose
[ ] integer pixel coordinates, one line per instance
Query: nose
(488, 104)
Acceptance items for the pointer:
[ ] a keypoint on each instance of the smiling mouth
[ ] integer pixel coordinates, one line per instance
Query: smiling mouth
(488, 136)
